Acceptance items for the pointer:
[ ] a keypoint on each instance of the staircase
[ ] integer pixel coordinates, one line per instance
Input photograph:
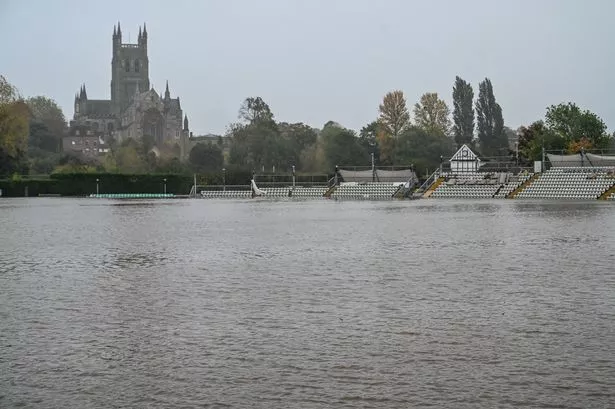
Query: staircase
(609, 192)
(330, 191)
(400, 193)
(433, 187)
(522, 186)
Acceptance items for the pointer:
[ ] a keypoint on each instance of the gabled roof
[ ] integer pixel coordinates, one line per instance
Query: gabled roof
(464, 154)
(151, 94)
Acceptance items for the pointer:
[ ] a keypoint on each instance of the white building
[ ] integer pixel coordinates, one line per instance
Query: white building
(464, 160)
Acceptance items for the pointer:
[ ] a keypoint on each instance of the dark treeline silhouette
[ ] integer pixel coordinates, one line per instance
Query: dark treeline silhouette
(31, 132)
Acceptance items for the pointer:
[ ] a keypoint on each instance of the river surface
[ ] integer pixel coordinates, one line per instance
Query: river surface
(306, 304)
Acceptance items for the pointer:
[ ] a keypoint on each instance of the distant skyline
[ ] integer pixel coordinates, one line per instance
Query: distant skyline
(315, 61)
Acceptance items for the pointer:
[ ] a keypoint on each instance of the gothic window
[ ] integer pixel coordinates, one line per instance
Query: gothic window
(137, 65)
(127, 64)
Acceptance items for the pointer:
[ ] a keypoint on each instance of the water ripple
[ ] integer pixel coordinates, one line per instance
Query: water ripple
(233, 304)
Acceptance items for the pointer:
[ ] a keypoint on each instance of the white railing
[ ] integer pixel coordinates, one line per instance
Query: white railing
(429, 181)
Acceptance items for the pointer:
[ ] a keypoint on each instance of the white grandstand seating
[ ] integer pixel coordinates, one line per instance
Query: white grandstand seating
(466, 185)
(570, 183)
(275, 192)
(228, 194)
(365, 191)
(513, 183)
(306, 192)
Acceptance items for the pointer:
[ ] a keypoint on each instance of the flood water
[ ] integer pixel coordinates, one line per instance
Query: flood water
(306, 304)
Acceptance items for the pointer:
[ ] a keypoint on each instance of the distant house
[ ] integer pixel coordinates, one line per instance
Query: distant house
(82, 140)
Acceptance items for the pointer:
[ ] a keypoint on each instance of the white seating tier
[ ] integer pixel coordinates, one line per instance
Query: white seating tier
(513, 183)
(276, 192)
(371, 191)
(570, 183)
(475, 185)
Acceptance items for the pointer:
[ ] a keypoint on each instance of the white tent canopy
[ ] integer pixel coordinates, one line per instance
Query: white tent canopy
(390, 176)
(580, 160)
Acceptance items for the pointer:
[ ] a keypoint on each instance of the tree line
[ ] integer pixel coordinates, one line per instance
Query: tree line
(31, 131)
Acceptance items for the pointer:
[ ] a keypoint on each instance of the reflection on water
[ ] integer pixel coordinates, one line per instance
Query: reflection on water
(185, 303)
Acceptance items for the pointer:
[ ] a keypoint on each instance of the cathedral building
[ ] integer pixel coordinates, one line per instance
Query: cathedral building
(135, 109)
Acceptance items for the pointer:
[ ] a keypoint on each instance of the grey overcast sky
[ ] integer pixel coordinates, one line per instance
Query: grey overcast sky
(318, 60)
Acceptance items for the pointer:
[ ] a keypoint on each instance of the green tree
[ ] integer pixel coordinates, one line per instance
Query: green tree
(490, 121)
(254, 110)
(42, 138)
(206, 157)
(394, 116)
(341, 147)
(256, 142)
(130, 160)
(75, 163)
(312, 158)
(532, 138)
(127, 157)
(368, 139)
(572, 124)
(422, 149)
(13, 129)
(172, 165)
(432, 115)
(42, 149)
(463, 112)
(46, 111)
(297, 137)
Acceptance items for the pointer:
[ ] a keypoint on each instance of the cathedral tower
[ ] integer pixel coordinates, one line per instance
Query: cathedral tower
(129, 69)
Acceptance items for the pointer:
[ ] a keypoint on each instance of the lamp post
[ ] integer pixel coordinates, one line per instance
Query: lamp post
(373, 168)
(293, 177)
(441, 160)
(224, 179)
(542, 162)
(165, 185)
(97, 180)
(336, 171)
(517, 153)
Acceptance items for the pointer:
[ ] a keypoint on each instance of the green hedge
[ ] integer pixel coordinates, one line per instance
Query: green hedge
(84, 184)
(34, 187)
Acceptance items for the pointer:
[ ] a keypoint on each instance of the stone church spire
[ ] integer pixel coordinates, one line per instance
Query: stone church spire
(167, 94)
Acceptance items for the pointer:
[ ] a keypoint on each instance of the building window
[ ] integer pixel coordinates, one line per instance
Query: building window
(127, 64)
(137, 65)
